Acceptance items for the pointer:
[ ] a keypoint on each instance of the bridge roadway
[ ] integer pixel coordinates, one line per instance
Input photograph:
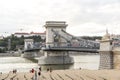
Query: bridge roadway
(32, 49)
(77, 49)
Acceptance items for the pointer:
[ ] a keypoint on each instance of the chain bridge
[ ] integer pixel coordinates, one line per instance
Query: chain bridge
(60, 44)
(71, 43)
(57, 39)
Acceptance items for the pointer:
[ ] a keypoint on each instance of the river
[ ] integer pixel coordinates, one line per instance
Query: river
(24, 65)
(21, 64)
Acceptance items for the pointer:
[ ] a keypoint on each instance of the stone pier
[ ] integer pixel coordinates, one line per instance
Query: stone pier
(106, 60)
(109, 53)
(56, 57)
(53, 39)
(28, 45)
(106, 54)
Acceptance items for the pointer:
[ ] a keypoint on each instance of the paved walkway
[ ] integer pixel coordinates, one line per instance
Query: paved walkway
(17, 76)
(65, 75)
(81, 75)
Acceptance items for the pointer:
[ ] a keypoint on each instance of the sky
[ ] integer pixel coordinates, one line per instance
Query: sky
(84, 17)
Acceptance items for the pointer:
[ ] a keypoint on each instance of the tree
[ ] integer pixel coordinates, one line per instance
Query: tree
(16, 41)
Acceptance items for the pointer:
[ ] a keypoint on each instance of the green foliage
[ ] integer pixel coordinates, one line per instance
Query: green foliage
(2, 50)
(15, 41)
(35, 38)
(3, 43)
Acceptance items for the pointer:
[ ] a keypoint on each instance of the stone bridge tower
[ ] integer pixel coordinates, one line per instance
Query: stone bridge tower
(28, 44)
(53, 29)
(109, 52)
(55, 38)
(106, 54)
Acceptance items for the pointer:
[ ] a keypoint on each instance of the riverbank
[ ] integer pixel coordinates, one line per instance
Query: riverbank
(10, 54)
(65, 75)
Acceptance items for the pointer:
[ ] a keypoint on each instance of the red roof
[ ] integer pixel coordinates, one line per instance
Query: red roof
(24, 33)
(21, 33)
(37, 33)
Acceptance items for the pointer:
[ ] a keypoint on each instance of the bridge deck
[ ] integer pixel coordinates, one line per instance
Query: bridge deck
(32, 50)
(71, 49)
(77, 49)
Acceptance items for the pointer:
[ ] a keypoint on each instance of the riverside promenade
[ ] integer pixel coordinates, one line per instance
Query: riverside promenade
(65, 75)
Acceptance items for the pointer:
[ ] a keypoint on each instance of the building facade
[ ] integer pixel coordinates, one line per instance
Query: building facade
(25, 34)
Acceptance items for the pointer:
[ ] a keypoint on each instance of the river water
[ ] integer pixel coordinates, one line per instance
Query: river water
(21, 64)
(24, 65)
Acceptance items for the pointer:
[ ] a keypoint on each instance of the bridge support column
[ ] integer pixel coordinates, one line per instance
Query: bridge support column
(106, 60)
(28, 44)
(53, 39)
(106, 54)
(56, 57)
(53, 28)
(29, 55)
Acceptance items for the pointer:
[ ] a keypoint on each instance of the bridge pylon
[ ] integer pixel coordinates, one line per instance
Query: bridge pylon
(106, 54)
(28, 44)
(53, 29)
(54, 39)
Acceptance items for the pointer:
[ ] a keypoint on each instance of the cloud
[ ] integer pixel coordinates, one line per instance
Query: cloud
(84, 17)
(89, 28)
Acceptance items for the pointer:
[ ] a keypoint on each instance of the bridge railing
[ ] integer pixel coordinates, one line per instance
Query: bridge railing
(69, 45)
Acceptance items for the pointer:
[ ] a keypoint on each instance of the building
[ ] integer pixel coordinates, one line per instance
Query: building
(19, 34)
(38, 34)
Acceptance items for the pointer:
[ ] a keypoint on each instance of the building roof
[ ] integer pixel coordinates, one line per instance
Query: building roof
(37, 33)
(25, 33)
(21, 33)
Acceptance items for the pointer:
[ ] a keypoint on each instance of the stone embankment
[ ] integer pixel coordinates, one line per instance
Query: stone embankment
(10, 54)
(65, 75)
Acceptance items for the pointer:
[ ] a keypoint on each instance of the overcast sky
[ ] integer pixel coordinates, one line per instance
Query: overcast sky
(84, 17)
